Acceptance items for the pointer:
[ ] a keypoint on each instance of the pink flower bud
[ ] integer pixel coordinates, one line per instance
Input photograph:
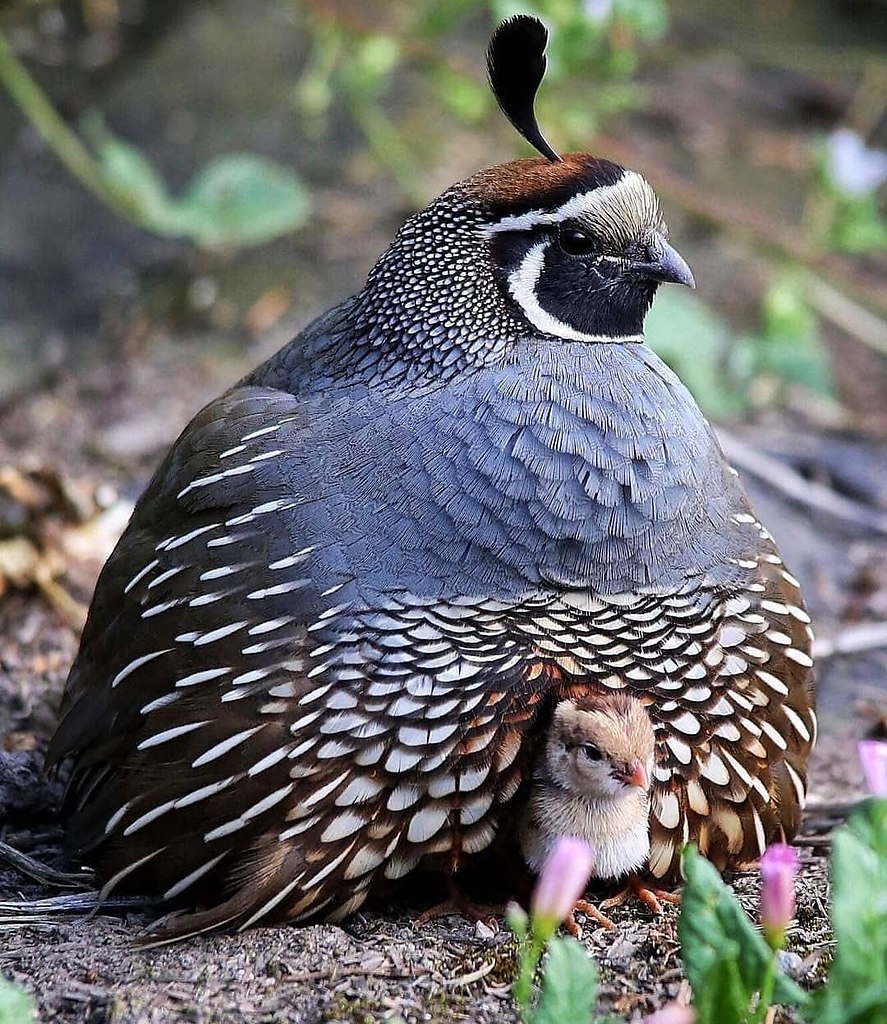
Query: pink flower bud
(672, 1013)
(873, 757)
(561, 882)
(779, 867)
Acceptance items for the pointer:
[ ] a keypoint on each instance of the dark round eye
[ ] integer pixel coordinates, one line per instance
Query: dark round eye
(592, 752)
(575, 242)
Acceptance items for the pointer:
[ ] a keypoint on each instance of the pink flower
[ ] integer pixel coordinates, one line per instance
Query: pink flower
(561, 882)
(672, 1013)
(779, 867)
(873, 757)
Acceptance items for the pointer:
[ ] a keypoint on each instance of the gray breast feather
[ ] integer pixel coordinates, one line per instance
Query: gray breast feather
(573, 465)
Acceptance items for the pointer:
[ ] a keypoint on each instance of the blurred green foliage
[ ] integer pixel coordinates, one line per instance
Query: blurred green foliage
(236, 200)
(16, 1006)
(699, 346)
(732, 373)
(599, 39)
(857, 983)
(845, 214)
(788, 345)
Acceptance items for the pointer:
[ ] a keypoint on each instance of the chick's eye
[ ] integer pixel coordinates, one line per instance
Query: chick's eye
(592, 752)
(575, 242)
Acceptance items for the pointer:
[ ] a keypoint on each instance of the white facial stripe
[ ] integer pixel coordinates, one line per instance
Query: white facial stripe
(522, 285)
(630, 195)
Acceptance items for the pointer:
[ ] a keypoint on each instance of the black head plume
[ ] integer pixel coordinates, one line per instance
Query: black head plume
(516, 66)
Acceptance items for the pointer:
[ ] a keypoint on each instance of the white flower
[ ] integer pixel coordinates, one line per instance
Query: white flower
(854, 168)
(598, 11)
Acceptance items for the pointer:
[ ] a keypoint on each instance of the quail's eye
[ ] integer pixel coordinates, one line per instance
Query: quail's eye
(592, 752)
(575, 242)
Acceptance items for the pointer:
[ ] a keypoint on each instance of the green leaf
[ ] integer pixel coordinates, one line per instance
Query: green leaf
(517, 920)
(856, 992)
(858, 225)
(128, 173)
(241, 200)
(718, 367)
(790, 346)
(869, 824)
(649, 18)
(16, 1006)
(785, 308)
(715, 932)
(569, 985)
(235, 200)
(723, 997)
(371, 64)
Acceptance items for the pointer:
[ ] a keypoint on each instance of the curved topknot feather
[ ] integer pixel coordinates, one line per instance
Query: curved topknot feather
(516, 65)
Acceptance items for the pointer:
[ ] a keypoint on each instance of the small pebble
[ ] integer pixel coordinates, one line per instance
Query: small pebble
(791, 964)
(621, 951)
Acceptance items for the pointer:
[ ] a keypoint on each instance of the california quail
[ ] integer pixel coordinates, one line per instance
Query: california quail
(463, 494)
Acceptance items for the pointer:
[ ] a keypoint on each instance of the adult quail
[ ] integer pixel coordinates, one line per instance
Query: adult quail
(592, 779)
(466, 493)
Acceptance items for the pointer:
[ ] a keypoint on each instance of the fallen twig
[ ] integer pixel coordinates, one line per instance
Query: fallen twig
(40, 872)
(793, 485)
(339, 974)
(830, 808)
(30, 911)
(472, 976)
(68, 608)
(867, 636)
(843, 312)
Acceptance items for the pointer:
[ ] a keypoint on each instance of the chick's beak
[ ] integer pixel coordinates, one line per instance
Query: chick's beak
(635, 774)
(663, 263)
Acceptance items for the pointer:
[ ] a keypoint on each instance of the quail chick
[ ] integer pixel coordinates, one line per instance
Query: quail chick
(592, 780)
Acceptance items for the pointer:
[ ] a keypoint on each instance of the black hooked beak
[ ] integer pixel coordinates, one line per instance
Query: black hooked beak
(663, 263)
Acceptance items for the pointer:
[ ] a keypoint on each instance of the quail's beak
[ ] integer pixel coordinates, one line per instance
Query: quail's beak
(663, 263)
(635, 774)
